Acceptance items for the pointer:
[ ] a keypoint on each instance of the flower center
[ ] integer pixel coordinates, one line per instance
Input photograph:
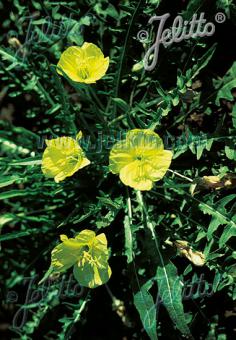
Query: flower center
(86, 248)
(83, 72)
(139, 158)
(73, 160)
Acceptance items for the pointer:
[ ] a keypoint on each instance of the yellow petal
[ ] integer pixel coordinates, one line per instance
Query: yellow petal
(120, 156)
(70, 62)
(62, 158)
(92, 270)
(196, 257)
(134, 175)
(91, 275)
(98, 69)
(144, 138)
(89, 255)
(160, 164)
(79, 135)
(84, 64)
(65, 255)
(63, 238)
(140, 159)
(85, 237)
(92, 51)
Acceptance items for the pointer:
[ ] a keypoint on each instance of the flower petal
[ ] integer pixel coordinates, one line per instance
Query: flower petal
(120, 156)
(92, 268)
(160, 165)
(62, 158)
(144, 138)
(70, 61)
(134, 175)
(65, 255)
(140, 159)
(91, 275)
(84, 64)
(92, 51)
(89, 255)
(98, 69)
(85, 237)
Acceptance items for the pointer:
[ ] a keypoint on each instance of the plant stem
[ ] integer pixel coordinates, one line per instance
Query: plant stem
(45, 93)
(92, 98)
(182, 176)
(80, 310)
(128, 232)
(149, 224)
(129, 208)
(96, 98)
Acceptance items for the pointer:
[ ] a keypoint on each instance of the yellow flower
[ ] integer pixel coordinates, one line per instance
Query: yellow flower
(87, 253)
(140, 159)
(196, 257)
(85, 64)
(63, 157)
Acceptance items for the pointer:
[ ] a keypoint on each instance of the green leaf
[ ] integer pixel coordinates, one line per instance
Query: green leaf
(202, 62)
(196, 143)
(17, 193)
(112, 207)
(8, 180)
(226, 6)
(121, 104)
(154, 2)
(11, 236)
(230, 150)
(6, 218)
(10, 56)
(28, 161)
(170, 292)
(146, 307)
(234, 116)
(192, 8)
(227, 84)
(229, 232)
(221, 216)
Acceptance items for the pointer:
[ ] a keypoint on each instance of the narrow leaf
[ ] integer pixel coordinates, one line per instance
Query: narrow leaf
(170, 292)
(146, 307)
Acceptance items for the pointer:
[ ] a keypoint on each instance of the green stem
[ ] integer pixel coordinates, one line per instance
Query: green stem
(94, 95)
(128, 232)
(117, 119)
(129, 209)
(45, 93)
(78, 313)
(148, 223)
(182, 176)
